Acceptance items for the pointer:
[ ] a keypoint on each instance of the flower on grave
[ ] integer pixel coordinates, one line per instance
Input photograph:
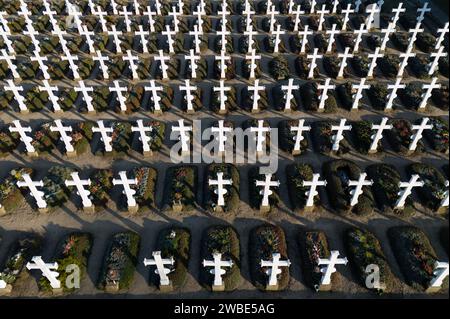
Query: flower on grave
(69, 245)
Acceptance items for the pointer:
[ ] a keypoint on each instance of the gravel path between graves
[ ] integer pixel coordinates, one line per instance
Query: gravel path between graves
(66, 219)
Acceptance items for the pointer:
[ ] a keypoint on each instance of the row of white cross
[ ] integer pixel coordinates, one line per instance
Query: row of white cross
(272, 268)
(221, 187)
(223, 134)
(190, 90)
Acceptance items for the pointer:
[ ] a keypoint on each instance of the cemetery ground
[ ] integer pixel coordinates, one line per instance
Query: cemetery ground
(149, 222)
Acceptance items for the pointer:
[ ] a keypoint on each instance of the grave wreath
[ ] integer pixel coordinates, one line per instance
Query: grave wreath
(288, 137)
(28, 70)
(174, 242)
(400, 137)
(419, 66)
(223, 240)
(443, 66)
(440, 97)
(165, 103)
(173, 69)
(43, 142)
(196, 102)
(230, 71)
(8, 142)
(157, 134)
(256, 195)
(232, 199)
(229, 48)
(6, 99)
(296, 175)
(321, 43)
(314, 246)
(438, 136)
(244, 43)
(36, 100)
(345, 92)
(17, 23)
(338, 173)
(100, 99)
(322, 136)
(246, 69)
(10, 195)
(269, 44)
(302, 68)
(119, 263)
(19, 254)
(425, 42)
(332, 65)
(295, 44)
(311, 98)
(377, 94)
(60, 69)
(364, 249)
(362, 137)
(82, 136)
(411, 96)
(433, 191)
(74, 44)
(116, 67)
(231, 104)
(182, 187)
(101, 186)
(264, 241)
(385, 188)
(22, 44)
(145, 188)
(74, 249)
(313, 22)
(201, 72)
(415, 255)
(67, 98)
(373, 41)
(401, 40)
(49, 45)
(389, 65)
(360, 64)
(56, 193)
(334, 19)
(121, 140)
(152, 43)
(134, 98)
(247, 99)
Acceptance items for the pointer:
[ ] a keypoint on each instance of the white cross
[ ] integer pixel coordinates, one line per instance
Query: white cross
(324, 96)
(120, 97)
(141, 33)
(196, 33)
(274, 270)
(174, 13)
(223, 37)
(397, 11)
(46, 269)
(248, 13)
(114, 7)
(339, 136)
(223, 12)
(322, 13)
(358, 95)
(408, 186)
(127, 190)
(115, 34)
(63, 130)
(101, 16)
(422, 12)
(442, 32)
(371, 10)
(184, 135)
(52, 97)
(387, 33)
(160, 264)
(413, 37)
(158, 7)
(131, 61)
(272, 12)
(221, 190)
(73, 67)
(418, 134)
(313, 6)
(105, 138)
(180, 6)
(250, 33)
(376, 138)
(445, 200)
(335, 6)
(277, 34)
(9, 44)
(25, 12)
(344, 56)
(60, 34)
(18, 128)
(163, 66)
(32, 186)
(393, 95)
(32, 33)
(101, 60)
(427, 94)
(297, 13)
(192, 58)
(436, 55)
(304, 34)
(373, 63)
(87, 34)
(288, 96)
(81, 191)
(312, 66)
(346, 13)
(143, 137)
(218, 264)
(151, 23)
(4, 21)
(223, 66)
(330, 268)
(260, 131)
(269, 6)
(332, 34)
(85, 95)
(222, 131)
(313, 189)
(199, 22)
(359, 33)
(256, 96)
(154, 94)
(189, 97)
(9, 62)
(17, 96)
(170, 41)
(359, 184)
(299, 129)
(136, 6)
(222, 96)
(267, 192)
(441, 271)
(253, 57)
